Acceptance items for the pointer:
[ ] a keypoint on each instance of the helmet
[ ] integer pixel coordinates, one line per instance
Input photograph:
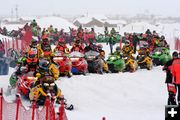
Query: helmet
(127, 42)
(44, 36)
(118, 49)
(31, 54)
(45, 39)
(99, 46)
(175, 54)
(162, 37)
(44, 64)
(13, 79)
(61, 41)
(144, 35)
(145, 44)
(34, 42)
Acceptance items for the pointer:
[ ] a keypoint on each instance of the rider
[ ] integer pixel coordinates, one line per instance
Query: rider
(91, 46)
(61, 46)
(78, 46)
(118, 51)
(31, 61)
(144, 50)
(102, 56)
(127, 50)
(33, 46)
(46, 68)
(44, 49)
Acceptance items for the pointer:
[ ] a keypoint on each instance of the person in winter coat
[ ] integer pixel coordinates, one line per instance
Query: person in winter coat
(33, 46)
(118, 52)
(135, 41)
(31, 62)
(78, 46)
(170, 85)
(102, 56)
(92, 47)
(34, 23)
(44, 49)
(127, 50)
(61, 46)
(46, 68)
(176, 76)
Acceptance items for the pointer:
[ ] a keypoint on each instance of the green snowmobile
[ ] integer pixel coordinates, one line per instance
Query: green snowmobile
(102, 38)
(115, 63)
(160, 56)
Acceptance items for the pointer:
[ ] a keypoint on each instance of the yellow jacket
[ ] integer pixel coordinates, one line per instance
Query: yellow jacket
(42, 53)
(52, 71)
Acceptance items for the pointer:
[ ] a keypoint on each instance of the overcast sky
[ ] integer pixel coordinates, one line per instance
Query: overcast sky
(74, 7)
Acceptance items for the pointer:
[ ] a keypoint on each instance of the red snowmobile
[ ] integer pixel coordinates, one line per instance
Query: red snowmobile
(79, 64)
(24, 83)
(64, 62)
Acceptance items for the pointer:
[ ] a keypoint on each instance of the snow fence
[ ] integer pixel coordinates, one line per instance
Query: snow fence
(177, 44)
(16, 110)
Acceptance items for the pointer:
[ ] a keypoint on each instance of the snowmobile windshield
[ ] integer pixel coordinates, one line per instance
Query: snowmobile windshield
(158, 51)
(59, 53)
(91, 53)
(76, 54)
(143, 43)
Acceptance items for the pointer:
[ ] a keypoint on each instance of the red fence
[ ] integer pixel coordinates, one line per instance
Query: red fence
(18, 44)
(16, 110)
(177, 44)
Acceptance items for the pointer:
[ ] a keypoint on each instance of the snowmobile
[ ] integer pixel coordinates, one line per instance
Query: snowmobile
(145, 62)
(102, 38)
(131, 64)
(79, 63)
(4, 64)
(160, 56)
(64, 62)
(115, 63)
(95, 63)
(24, 83)
(47, 87)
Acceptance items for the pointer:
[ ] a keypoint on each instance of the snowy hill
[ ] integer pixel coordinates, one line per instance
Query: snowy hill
(57, 22)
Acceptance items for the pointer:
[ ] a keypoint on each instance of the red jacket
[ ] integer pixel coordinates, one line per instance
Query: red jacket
(79, 48)
(61, 48)
(176, 71)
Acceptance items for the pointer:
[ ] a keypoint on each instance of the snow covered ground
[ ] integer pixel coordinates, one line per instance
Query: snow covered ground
(121, 96)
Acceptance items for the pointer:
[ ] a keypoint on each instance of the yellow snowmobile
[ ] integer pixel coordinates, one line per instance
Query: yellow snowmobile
(131, 64)
(144, 61)
(47, 87)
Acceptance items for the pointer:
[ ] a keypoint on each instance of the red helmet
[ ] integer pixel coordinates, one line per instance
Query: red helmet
(61, 40)
(99, 46)
(44, 37)
(31, 54)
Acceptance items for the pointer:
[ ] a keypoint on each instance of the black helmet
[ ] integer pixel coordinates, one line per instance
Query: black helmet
(127, 42)
(175, 54)
(118, 49)
(162, 37)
